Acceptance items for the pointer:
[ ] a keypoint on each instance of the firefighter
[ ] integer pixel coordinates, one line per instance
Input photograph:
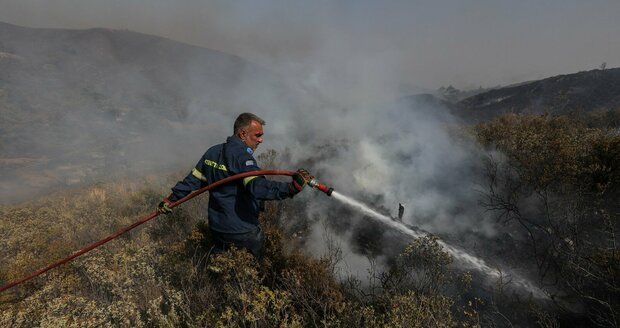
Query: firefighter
(234, 207)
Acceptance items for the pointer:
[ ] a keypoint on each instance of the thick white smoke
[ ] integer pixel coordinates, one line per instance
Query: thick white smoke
(335, 110)
(385, 152)
(397, 152)
(350, 127)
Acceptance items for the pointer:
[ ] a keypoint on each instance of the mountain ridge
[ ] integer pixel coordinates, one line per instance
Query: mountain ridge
(584, 91)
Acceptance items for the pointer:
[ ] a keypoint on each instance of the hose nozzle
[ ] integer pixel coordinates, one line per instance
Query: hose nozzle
(315, 184)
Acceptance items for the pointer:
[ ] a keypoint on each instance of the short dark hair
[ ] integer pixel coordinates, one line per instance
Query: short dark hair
(244, 120)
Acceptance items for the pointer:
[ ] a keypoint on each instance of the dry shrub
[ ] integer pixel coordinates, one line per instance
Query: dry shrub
(422, 267)
(414, 310)
(555, 151)
(242, 300)
(158, 276)
(115, 285)
(102, 289)
(558, 193)
(312, 288)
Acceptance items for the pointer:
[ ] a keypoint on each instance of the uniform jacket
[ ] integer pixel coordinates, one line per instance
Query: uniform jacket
(233, 207)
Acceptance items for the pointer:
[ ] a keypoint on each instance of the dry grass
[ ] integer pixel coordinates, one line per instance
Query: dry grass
(156, 275)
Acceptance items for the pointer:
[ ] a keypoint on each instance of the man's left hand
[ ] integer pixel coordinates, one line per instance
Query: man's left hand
(164, 207)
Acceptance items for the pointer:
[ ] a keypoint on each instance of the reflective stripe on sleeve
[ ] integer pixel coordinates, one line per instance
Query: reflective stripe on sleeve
(198, 175)
(216, 165)
(248, 179)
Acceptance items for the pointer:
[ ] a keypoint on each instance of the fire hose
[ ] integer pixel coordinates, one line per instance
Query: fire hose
(313, 183)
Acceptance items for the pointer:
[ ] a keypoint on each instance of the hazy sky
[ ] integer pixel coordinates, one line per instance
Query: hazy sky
(415, 43)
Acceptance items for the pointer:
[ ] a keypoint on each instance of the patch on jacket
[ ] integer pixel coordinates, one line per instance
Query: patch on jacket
(249, 163)
(249, 150)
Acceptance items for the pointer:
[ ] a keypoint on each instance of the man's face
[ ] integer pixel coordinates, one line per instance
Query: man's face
(252, 135)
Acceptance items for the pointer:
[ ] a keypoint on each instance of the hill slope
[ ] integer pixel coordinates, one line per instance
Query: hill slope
(563, 94)
(75, 104)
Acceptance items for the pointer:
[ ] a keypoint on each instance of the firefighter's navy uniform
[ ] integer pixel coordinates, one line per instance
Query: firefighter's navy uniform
(233, 207)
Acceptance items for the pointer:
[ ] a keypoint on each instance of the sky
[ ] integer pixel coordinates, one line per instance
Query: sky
(410, 46)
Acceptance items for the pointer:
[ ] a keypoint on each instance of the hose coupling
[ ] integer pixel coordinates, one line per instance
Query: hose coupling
(315, 184)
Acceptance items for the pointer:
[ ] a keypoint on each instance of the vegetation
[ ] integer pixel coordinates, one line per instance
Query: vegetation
(558, 192)
(158, 276)
(553, 182)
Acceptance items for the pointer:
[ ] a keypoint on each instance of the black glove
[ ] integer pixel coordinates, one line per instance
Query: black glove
(164, 207)
(300, 179)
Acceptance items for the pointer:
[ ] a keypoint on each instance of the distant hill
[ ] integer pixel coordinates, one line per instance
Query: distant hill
(76, 105)
(581, 92)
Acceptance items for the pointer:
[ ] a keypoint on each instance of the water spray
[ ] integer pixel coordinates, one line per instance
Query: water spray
(464, 259)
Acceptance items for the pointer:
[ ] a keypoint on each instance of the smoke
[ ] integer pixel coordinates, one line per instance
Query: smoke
(386, 154)
(331, 96)
(127, 104)
(341, 116)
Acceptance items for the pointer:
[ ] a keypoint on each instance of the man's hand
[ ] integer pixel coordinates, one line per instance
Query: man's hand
(164, 207)
(300, 179)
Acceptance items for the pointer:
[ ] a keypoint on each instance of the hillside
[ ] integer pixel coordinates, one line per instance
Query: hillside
(76, 104)
(578, 93)
(555, 196)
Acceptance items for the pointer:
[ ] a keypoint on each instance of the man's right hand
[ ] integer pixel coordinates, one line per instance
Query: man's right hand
(164, 207)
(300, 179)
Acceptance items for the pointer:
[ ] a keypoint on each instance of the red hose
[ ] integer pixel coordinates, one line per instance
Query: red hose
(141, 221)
